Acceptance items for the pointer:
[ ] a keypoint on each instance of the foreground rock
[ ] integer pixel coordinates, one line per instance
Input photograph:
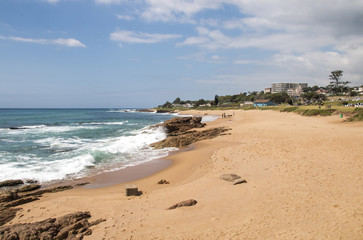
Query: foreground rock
(71, 226)
(234, 178)
(10, 183)
(187, 203)
(189, 138)
(178, 125)
(229, 177)
(163, 181)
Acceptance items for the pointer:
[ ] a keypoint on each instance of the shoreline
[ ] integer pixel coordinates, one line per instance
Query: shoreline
(303, 181)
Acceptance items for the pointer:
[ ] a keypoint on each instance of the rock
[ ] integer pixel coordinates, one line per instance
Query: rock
(7, 214)
(49, 190)
(31, 181)
(145, 110)
(179, 125)
(229, 177)
(71, 226)
(189, 138)
(164, 111)
(131, 190)
(28, 188)
(239, 181)
(186, 203)
(10, 183)
(8, 196)
(163, 181)
(20, 201)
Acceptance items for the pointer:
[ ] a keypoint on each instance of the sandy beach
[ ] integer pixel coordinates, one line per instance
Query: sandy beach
(304, 181)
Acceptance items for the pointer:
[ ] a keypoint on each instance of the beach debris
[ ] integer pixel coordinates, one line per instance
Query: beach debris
(132, 190)
(186, 203)
(71, 226)
(10, 183)
(163, 181)
(28, 188)
(229, 177)
(7, 214)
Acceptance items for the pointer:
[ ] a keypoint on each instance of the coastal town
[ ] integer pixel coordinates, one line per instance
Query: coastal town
(289, 93)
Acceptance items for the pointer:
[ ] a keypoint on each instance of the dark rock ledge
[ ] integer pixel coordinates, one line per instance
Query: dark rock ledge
(180, 134)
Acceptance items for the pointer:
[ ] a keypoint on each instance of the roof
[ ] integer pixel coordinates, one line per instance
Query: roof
(262, 100)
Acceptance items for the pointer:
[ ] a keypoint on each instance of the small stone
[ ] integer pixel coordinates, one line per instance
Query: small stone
(239, 181)
(229, 177)
(163, 181)
(131, 190)
(187, 203)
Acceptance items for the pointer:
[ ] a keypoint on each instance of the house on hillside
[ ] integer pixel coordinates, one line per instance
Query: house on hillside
(263, 103)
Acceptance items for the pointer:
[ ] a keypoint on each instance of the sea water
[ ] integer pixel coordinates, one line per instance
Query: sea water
(55, 144)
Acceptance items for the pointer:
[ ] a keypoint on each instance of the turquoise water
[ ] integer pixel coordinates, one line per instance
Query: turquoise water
(55, 144)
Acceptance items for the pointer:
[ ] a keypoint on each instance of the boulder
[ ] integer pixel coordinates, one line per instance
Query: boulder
(229, 177)
(131, 190)
(10, 183)
(186, 203)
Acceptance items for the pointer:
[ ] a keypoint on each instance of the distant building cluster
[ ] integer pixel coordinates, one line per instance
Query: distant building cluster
(292, 89)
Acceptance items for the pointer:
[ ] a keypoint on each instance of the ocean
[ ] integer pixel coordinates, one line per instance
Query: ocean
(56, 144)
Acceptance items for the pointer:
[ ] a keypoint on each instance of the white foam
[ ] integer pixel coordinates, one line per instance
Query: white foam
(124, 151)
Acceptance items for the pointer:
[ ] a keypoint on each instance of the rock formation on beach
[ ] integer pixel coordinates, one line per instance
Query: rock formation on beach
(71, 226)
(179, 134)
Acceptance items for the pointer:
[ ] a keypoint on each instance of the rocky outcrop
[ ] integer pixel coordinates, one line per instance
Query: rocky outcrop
(28, 188)
(180, 125)
(6, 215)
(189, 137)
(187, 203)
(11, 183)
(71, 226)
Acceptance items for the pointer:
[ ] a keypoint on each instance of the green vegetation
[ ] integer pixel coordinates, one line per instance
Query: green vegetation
(358, 115)
(336, 98)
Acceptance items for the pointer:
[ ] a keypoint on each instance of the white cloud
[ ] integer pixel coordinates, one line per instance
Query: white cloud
(68, 42)
(124, 17)
(140, 37)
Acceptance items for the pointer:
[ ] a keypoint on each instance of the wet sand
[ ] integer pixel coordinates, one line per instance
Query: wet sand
(304, 181)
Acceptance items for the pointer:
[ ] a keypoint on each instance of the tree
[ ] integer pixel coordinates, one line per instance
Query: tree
(167, 105)
(177, 100)
(336, 85)
(216, 100)
(335, 76)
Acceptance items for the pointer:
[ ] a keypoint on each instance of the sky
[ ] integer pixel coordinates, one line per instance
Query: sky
(142, 53)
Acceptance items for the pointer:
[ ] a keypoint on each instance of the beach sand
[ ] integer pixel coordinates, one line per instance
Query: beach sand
(304, 181)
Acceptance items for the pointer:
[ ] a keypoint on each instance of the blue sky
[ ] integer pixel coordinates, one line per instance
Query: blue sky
(141, 53)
